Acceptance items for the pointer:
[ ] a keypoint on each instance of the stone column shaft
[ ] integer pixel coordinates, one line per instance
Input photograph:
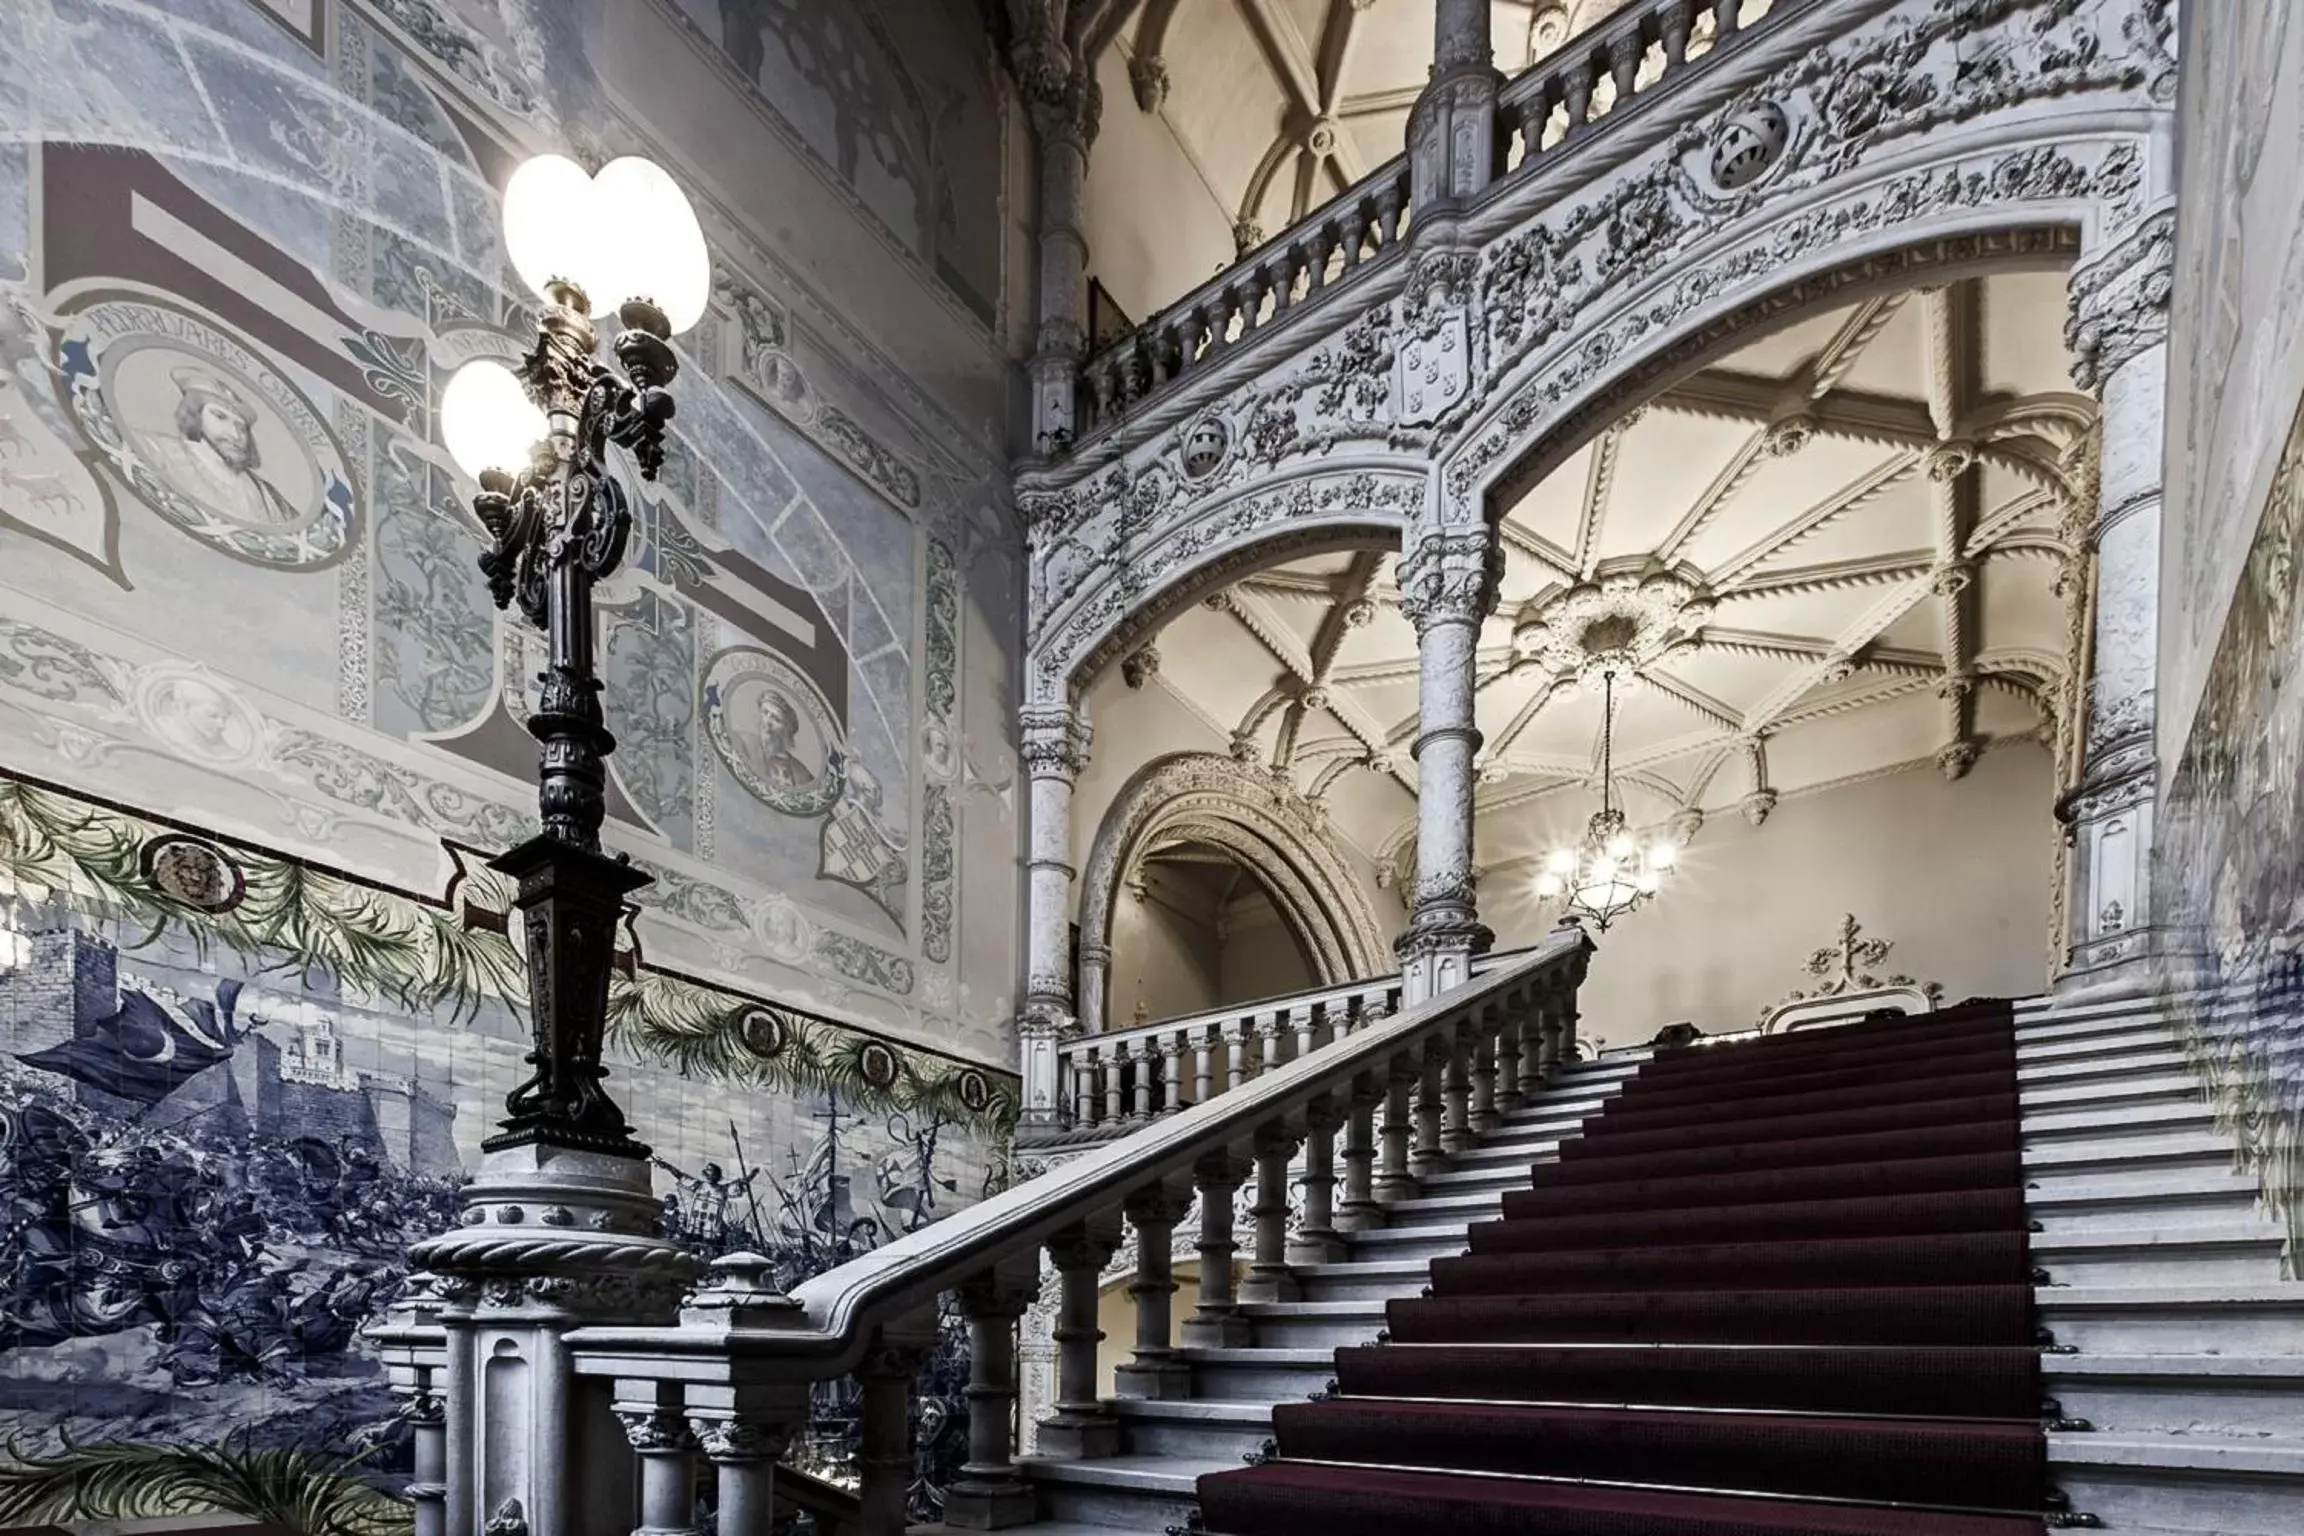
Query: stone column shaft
(1081, 1426)
(988, 1494)
(1316, 1241)
(1216, 1323)
(1155, 1372)
(1055, 749)
(1393, 1180)
(1269, 1278)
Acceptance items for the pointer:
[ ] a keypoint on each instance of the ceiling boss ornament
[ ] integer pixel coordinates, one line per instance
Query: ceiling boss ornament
(1613, 626)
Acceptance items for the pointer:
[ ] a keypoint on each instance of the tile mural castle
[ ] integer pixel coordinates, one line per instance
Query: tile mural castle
(260, 727)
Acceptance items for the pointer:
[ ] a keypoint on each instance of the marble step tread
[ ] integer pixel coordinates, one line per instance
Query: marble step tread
(2081, 1119)
(2254, 1455)
(2193, 1184)
(2208, 1297)
(1145, 1474)
(2206, 1238)
(1242, 1411)
(2149, 1057)
(2177, 1146)
(2090, 1366)
(1249, 1355)
(1073, 1528)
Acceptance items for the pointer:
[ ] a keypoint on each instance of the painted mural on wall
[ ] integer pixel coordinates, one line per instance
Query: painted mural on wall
(235, 1087)
(260, 726)
(2225, 868)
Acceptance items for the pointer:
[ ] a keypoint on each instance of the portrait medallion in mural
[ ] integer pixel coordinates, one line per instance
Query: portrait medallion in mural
(208, 434)
(194, 872)
(774, 732)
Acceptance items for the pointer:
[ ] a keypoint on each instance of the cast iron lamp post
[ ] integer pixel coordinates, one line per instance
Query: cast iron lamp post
(537, 441)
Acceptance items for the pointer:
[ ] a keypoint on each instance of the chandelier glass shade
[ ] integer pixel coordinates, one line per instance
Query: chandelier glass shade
(1611, 872)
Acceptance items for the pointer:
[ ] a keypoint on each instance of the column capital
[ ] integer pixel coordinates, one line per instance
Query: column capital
(2119, 301)
(1157, 1205)
(741, 1439)
(1450, 576)
(655, 1430)
(1054, 742)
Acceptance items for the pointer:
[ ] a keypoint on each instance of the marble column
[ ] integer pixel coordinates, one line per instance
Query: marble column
(989, 1496)
(1447, 588)
(1063, 102)
(657, 1430)
(1055, 750)
(1154, 1372)
(1452, 127)
(2117, 333)
(885, 1460)
(1082, 1426)
(1216, 1322)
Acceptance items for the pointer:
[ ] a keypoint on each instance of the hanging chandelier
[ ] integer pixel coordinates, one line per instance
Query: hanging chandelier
(1611, 872)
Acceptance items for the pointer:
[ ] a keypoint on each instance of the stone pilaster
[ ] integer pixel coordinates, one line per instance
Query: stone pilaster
(1452, 127)
(1447, 588)
(1055, 746)
(2117, 333)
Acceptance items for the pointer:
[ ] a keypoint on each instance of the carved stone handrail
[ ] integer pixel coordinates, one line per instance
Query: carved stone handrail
(1478, 1048)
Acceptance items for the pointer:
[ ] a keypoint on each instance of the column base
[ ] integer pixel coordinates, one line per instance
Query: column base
(990, 1507)
(1391, 1187)
(1159, 1381)
(1270, 1285)
(1217, 1330)
(1079, 1436)
(1453, 1142)
(1315, 1248)
(1359, 1216)
(1422, 1165)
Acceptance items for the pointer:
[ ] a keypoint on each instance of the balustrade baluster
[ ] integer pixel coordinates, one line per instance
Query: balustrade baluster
(1576, 93)
(1389, 203)
(1532, 1048)
(1355, 235)
(1393, 1180)
(1624, 54)
(1216, 1322)
(1083, 1063)
(1236, 1038)
(988, 1495)
(1270, 1025)
(1426, 1158)
(1359, 1211)
(1509, 1096)
(1146, 1072)
(1555, 1030)
(1172, 1048)
(1482, 1116)
(1568, 1017)
(657, 1428)
(1456, 1093)
(1674, 22)
(1155, 1372)
(1268, 1275)
(1316, 1241)
(743, 1445)
(427, 1415)
(1203, 1064)
(1081, 1426)
(885, 1461)
(1307, 1026)
(1725, 14)
(1115, 1068)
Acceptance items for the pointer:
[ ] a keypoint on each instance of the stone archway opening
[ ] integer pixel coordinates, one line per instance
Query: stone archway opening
(1198, 927)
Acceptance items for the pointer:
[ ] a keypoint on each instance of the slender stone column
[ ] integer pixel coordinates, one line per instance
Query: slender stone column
(427, 1417)
(1269, 1278)
(1452, 127)
(1447, 587)
(2117, 333)
(988, 1495)
(1428, 1157)
(1484, 1116)
(1081, 1426)
(1155, 1372)
(1316, 1241)
(1063, 102)
(1456, 1094)
(743, 1450)
(657, 1429)
(1507, 1058)
(1216, 1323)
(1055, 750)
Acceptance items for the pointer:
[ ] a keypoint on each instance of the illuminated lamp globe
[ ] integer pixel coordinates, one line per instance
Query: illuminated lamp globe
(487, 419)
(1648, 883)
(552, 230)
(1662, 856)
(653, 247)
(1620, 846)
(1549, 884)
(1562, 862)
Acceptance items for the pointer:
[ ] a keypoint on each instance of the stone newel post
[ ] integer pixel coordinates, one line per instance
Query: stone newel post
(1055, 750)
(1064, 103)
(1452, 128)
(1447, 588)
(2118, 333)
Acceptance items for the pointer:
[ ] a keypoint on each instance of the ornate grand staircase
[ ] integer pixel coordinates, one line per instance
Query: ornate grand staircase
(2036, 1291)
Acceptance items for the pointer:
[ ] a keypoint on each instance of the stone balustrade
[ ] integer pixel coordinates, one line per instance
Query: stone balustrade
(1115, 1081)
(1543, 116)
(635, 1416)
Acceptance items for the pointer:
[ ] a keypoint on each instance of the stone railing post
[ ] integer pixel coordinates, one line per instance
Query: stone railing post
(1359, 1211)
(1427, 1156)
(885, 1460)
(1452, 127)
(1155, 1372)
(1447, 588)
(1505, 1060)
(656, 1426)
(1268, 1275)
(1483, 1115)
(1081, 1426)
(427, 1418)
(1456, 1093)
(742, 1438)
(2118, 336)
(1394, 1181)
(1216, 1322)
(989, 1496)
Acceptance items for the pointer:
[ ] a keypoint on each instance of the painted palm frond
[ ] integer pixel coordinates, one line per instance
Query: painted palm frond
(307, 1491)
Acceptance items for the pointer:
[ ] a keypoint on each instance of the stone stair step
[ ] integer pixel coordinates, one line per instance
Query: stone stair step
(2112, 1042)
(1201, 1429)
(2181, 1394)
(2183, 1198)
(2208, 1485)
(1259, 1375)
(1131, 1492)
(2089, 1069)
(2256, 1320)
(2234, 1253)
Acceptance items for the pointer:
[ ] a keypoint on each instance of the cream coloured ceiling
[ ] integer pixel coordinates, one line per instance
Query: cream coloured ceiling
(1280, 104)
(1832, 554)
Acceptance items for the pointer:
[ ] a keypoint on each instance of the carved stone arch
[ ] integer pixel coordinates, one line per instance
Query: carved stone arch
(1279, 836)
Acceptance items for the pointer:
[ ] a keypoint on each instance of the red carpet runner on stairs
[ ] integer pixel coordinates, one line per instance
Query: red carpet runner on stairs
(1778, 1288)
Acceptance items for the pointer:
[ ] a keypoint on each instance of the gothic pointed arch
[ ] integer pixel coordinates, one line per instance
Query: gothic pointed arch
(1279, 836)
